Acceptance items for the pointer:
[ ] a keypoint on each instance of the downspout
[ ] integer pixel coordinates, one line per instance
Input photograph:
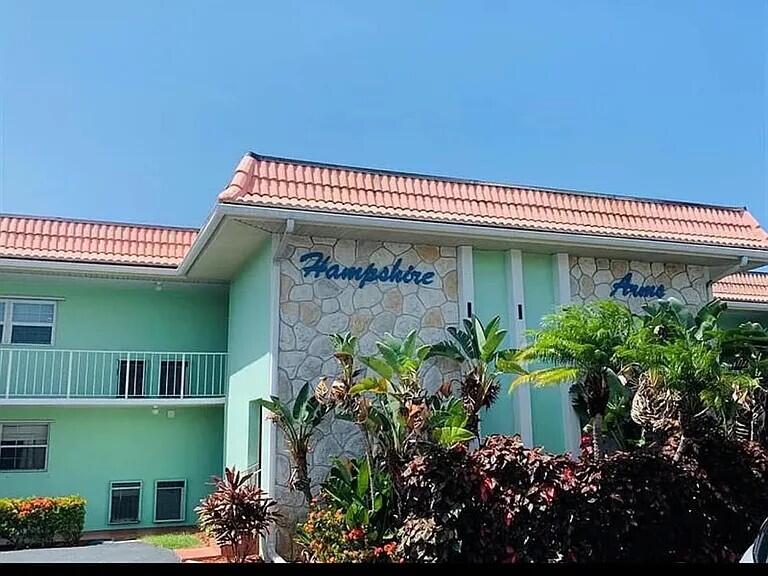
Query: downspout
(743, 261)
(290, 224)
(270, 554)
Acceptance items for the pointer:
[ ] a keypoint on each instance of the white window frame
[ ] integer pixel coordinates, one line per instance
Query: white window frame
(8, 320)
(141, 497)
(47, 444)
(183, 501)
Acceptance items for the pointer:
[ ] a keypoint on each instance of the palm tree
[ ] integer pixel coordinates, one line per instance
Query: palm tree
(685, 356)
(478, 349)
(579, 345)
(299, 424)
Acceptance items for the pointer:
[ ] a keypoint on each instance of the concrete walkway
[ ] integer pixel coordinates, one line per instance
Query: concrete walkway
(132, 551)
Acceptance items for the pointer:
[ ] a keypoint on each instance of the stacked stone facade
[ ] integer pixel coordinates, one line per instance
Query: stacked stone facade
(593, 279)
(313, 308)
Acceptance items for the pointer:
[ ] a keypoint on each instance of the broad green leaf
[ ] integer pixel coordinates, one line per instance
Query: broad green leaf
(301, 400)
(381, 367)
(449, 436)
(363, 478)
(375, 385)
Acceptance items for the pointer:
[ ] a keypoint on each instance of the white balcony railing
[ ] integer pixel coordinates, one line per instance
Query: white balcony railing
(81, 374)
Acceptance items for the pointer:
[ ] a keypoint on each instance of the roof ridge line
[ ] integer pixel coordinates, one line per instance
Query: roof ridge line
(457, 180)
(107, 222)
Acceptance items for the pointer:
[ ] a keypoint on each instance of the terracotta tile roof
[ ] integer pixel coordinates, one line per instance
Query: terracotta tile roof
(743, 287)
(277, 182)
(101, 242)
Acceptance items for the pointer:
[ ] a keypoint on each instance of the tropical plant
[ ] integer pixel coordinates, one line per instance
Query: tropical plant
(399, 363)
(745, 348)
(364, 494)
(299, 424)
(579, 344)
(478, 349)
(236, 513)
(326, 538)
(683, 354)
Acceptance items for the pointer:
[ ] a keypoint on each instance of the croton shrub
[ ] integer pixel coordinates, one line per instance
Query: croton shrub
(506, 503)
(28, 522)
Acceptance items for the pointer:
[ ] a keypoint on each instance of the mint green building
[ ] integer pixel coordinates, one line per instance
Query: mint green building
(131, 356)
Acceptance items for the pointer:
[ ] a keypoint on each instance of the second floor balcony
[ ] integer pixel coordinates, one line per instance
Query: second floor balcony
(83, 377)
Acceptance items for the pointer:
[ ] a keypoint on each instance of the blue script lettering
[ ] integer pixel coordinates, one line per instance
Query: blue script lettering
(628, 288)
(317, 264)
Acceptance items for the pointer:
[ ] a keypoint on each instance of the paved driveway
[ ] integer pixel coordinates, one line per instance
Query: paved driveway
(130, 552)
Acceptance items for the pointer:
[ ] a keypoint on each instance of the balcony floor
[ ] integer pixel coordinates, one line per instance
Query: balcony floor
(114, 402)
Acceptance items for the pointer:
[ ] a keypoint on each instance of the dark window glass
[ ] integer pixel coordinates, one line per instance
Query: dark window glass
(23, 446)
(131, 378)
(172, 377)
(125, 502)
(169, 501)
(21, 334)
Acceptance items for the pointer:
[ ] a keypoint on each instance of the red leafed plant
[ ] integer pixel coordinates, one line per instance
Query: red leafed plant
(237, 513)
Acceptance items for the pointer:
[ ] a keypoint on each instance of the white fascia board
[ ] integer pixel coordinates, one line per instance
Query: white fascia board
(54, 266)
(556, 239)
(201, 240)
(747, 306)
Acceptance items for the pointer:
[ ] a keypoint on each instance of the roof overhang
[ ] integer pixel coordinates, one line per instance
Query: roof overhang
(234, 231)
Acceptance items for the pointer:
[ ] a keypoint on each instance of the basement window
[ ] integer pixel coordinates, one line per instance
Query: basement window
(170, 500)
(124, 502)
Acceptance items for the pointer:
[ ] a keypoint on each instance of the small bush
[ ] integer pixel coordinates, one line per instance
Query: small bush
(507, 503)
(326, 537)
(236, 513)
(28, 522)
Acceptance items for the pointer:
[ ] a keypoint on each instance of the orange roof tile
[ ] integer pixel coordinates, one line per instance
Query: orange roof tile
(101, 242)
(743, 287)
(284, 183)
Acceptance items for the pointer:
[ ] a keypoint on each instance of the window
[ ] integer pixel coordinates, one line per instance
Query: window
(27, 321)
(170, 500)
(23, 446)
(130, 378)
(172, 377)
(125, 502)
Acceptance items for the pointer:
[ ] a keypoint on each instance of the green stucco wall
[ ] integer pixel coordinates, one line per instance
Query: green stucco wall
(91, 447)
(122, 315)
(492, 298)
(539, 287)
(250, 313)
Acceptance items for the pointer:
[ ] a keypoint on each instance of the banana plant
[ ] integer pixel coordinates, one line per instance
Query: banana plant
(478, 348)
(398, 363)
(299, 424)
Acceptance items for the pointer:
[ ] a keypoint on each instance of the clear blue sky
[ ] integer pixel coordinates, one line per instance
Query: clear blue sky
(140, 110)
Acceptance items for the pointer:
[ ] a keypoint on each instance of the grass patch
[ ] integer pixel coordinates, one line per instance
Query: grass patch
(174, 541)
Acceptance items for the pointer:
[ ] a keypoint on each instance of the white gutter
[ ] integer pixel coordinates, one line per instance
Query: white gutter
(23, 265)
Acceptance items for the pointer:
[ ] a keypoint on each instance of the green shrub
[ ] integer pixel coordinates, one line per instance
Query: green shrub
(41, 521)
(326, 537)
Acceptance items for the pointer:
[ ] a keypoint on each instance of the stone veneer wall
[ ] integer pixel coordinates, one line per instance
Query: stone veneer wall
(311, 309)
(592, 279)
